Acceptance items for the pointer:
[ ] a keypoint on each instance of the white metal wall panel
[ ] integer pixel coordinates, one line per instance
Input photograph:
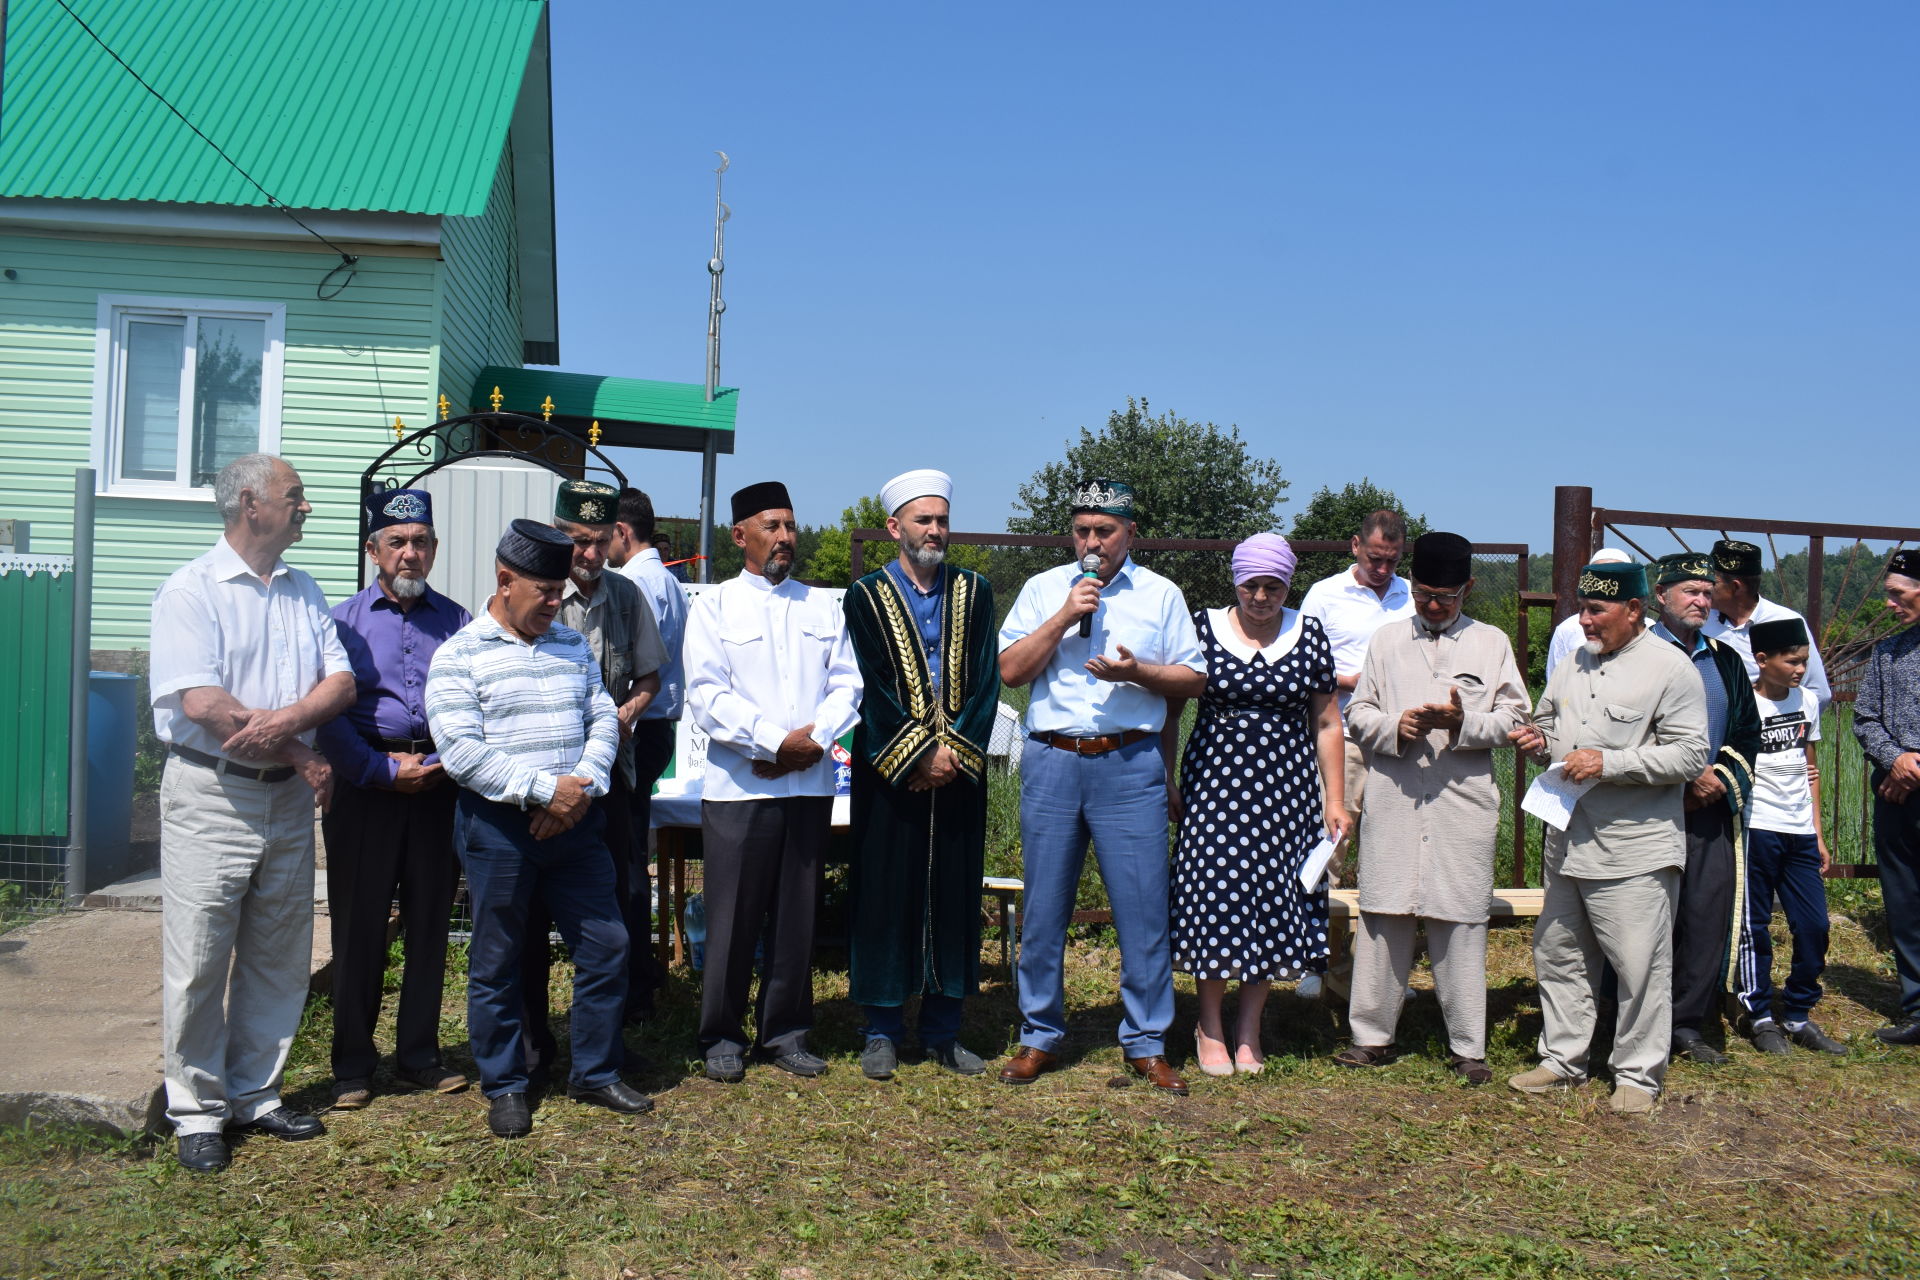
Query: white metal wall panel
(472, 504)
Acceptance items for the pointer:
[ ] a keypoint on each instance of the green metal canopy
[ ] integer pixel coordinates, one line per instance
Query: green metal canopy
(633, 413)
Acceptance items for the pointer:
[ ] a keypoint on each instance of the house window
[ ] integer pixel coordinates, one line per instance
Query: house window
(182, 387)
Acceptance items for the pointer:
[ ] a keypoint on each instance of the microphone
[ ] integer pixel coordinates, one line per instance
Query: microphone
(1089, 568)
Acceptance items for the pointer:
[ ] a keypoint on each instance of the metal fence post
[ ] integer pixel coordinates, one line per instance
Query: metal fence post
(1572, 543)
(77, 696)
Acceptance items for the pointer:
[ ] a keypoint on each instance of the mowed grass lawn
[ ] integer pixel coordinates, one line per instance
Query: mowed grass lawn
(1798, 1167)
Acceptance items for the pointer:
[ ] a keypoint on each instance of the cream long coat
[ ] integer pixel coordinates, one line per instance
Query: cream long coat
(1432, 810)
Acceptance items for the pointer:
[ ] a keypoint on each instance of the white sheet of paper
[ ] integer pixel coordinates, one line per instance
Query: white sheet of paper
(1314, 869)
(1552, 797)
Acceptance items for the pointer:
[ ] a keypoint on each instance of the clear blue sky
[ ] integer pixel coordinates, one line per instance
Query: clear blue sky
(1468, 250)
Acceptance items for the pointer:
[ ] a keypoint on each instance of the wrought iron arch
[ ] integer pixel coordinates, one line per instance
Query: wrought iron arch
(482, 435)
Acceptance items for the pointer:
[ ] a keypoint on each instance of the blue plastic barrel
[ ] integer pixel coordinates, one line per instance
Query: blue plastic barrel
(111, 712)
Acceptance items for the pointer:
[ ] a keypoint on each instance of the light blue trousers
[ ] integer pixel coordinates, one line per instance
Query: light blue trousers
(1119, 800)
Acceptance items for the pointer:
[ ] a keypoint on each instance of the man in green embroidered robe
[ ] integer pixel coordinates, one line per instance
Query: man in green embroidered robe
(924, 635)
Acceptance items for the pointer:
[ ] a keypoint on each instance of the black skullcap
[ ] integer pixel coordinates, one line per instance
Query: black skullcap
(1682, 566)
(537, 550)
(1442, 560)
(1741, 559)
(768, 495)
(1778, 636)
(1905, 562)
(398, 506)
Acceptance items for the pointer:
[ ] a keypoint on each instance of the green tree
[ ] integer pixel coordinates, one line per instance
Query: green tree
(1332, 516)
(1190, 480)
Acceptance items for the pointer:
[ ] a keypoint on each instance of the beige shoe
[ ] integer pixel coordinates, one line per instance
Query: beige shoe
(1630, 1100)
(1541, 1080)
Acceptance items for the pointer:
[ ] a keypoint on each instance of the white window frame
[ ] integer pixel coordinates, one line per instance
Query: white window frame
(110, 321)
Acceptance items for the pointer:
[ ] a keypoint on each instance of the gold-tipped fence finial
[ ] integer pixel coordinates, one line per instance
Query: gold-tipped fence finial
(444, 406)
(497, 399)
(593, 434)
(546, 409)
(399, 427)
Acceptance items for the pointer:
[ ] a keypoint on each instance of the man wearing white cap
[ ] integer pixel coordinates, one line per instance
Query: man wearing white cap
(923, 634)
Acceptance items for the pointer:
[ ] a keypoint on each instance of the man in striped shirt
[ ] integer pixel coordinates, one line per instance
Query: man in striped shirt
(526, 728)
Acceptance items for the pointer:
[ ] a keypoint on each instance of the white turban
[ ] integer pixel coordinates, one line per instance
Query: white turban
(1610, 555)
(902, 489)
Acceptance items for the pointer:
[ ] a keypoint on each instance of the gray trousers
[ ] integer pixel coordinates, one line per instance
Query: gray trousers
(1382, 959)
(1627, 923)
(236, 937)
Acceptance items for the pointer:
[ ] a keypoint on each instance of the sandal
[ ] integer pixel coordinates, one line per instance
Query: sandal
(1474, 1071)
(1360, 1055)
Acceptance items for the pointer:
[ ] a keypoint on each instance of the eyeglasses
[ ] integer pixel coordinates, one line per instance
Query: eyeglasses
(1423, 596)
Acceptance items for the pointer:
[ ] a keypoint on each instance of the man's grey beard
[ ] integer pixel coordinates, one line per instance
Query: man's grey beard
(407, 588)
(586, 575)
(1594, 647)
(776, 570)
(927, 556)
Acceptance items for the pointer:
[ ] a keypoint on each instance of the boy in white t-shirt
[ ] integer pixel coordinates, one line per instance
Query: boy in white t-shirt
(1786, 853)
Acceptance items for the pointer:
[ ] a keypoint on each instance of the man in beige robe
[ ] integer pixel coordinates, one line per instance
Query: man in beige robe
(1437, 694)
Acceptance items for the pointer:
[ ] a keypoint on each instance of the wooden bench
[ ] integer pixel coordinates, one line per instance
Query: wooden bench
(1509, 907)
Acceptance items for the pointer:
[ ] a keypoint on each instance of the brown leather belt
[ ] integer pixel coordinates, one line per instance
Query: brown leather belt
(276, 773)
(1092, 746)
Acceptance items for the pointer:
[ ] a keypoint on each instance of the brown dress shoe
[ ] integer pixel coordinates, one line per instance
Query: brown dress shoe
(1159, 1073)
(1026, 1065)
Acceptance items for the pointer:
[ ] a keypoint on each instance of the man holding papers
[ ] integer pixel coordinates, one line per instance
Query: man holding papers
(1437, 693)
(1627, 713)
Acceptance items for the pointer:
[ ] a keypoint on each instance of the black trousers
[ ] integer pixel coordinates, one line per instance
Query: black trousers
(1703, 922)
(763, 873)
(536, 956)
(652, 751)
(1896, 846)
(380, 843)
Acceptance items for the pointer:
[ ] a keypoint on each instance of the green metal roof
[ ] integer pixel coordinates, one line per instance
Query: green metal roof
(634, 413)
(389, 105)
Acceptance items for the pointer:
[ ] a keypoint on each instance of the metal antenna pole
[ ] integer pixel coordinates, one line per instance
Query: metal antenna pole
(716, 307)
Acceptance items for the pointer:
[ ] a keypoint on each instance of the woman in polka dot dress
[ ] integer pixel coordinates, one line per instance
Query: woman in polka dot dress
(1250, 805)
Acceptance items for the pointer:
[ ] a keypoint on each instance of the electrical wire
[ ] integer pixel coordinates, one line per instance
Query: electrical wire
(347, 260)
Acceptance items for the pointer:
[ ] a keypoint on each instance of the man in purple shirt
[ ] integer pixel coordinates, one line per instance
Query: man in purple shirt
(391, 825)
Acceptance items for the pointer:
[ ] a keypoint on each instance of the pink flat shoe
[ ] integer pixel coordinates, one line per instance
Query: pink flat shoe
(1211, 1054)
(1247, 1060)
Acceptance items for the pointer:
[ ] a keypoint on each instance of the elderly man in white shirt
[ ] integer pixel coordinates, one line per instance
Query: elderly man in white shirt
(771, 679)
(245, 665)
(1351, 606)
(1738, 604)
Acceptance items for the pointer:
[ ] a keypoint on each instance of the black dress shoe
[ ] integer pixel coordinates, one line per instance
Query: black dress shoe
(1808, 1035)
(1689, 1045)
(727, 1068)
(1906, 1031)
(204, 1152)
(617, 1096)
(509, 1116)
(282, 1123)
(800, 1062)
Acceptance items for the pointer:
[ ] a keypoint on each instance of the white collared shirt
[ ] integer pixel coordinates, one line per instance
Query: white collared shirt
(1138, 609)
(668, 597)
(1740, 639)
(216, 624)
(761, 661)
(1350, 612)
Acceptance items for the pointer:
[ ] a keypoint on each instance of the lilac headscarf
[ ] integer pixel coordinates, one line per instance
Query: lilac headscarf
(1264, 555)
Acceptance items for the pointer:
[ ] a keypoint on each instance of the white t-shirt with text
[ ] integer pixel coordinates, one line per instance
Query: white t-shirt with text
(1782, 797)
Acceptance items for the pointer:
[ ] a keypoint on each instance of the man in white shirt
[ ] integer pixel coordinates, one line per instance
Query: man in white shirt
(1104, 642)
(1351, 606)
(771, 679)
(1738, 604)
(246, 663)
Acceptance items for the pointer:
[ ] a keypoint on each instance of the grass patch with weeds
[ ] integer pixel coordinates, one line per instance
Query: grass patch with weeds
(1796, 1167)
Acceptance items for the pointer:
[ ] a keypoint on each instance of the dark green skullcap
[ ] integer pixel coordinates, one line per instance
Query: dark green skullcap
(1612, 582)
(1778, 636)
(584, 502)
(1110, 497)
(1741, 559)
(1682, 566)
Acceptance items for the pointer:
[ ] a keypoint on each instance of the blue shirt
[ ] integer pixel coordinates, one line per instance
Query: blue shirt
(390, 650)
(1138, 609)
(668, 599)
(925, 607)
(1714, 687)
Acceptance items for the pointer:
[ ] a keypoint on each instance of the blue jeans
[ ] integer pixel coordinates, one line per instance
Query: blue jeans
(939, 1020)
(1790, 866)
(571, 874)
(1119, 800)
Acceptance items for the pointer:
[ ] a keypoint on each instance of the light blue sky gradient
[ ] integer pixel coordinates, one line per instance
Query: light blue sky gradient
(1468, 250)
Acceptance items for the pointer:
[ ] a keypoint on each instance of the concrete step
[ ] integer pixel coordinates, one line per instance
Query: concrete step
(80, 1001)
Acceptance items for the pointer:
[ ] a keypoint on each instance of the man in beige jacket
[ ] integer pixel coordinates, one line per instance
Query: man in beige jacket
(1437, 693)
(1627, 714)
